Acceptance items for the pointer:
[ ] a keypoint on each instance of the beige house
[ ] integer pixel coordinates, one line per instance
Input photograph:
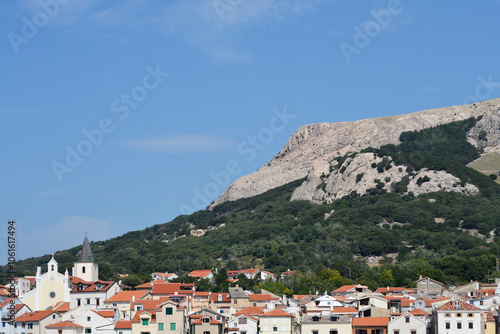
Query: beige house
(36, 322)
(200, 300)
(144, 322)
(121, 302)
(277, 322)
(170, 318)
(428, 287)
(206, 322)
(326, 324)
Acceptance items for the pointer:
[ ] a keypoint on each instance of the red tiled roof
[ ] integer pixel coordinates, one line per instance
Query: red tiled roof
(225, 297)
(138, 314)
(261, 298)
(64, 324)
(339, 310)
(62, 307)
(149, 304)
(450, 306)
(370, 322)
(276, 313)
(6, 302)
(202, 293)
(251, 310)
(172, 288)
(92, 287)
(419, 311)
(389, 289)
(106, 313)
(125, 296)
(346, 288)
(34, 316)
(149, 285)
(123, 324)
(489, 317)
(200, 273)
(290, 272)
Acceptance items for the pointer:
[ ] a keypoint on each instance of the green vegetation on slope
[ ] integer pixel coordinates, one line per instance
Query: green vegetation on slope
(270, 231)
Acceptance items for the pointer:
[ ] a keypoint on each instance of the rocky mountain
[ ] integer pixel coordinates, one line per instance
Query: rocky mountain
(312, 148)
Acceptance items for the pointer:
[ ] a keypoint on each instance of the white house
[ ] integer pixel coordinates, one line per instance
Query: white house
(458, 317)
(243, 324)
(406, 323)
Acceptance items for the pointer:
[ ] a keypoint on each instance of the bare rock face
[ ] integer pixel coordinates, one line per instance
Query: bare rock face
(364, 172)
(314, 143)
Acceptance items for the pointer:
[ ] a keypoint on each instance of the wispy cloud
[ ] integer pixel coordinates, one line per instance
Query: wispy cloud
(181, 144)
(201, 24)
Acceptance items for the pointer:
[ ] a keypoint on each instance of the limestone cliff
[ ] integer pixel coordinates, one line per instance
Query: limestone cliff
(316, 144)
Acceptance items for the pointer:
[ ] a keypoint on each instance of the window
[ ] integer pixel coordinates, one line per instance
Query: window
(88, 318)
(139, 308)
(334, 331)
(459, 315)
(469, 315)
(314, 332)
(83, 270)
(413, 331)
(53, 316)
(78, 302)
(145, 322)
(275, 329)
(173, 326)
(459, 325)
(88, 301)
(3, 324)
(447, 325)
(481, 302)
(334, 318)
(424, 282)
(169, 311)
(315, 318)
(447, 315)
(52, 267)
(206, 320)
(242, 321)
(114, 304)
(198, 299)
(407, 320)
(52, 294)
(471, 325)
(88, 330)
(206, 332)
(396, 331)
(97, 301)
(161, 326)
(30, 325)
(430, 282)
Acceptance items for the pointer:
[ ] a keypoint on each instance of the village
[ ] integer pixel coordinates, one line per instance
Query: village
(55, 303)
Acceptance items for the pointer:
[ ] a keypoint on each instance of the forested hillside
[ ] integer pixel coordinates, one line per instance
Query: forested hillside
(446, 235)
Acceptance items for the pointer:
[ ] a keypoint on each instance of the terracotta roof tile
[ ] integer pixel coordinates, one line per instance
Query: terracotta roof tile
(370, 322)
(123, 324)
(64, 324)
(276, 313)
(125, 296)
(34, 316)
(463, 306)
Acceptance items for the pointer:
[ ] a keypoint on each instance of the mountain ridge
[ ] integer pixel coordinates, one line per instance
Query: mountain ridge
(325, 141)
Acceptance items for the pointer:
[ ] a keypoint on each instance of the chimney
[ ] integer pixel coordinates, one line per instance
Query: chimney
(387, 288)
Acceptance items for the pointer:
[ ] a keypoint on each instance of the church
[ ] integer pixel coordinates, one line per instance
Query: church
(53, 287)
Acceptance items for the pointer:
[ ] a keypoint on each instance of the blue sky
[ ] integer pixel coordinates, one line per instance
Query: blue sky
(118, 115)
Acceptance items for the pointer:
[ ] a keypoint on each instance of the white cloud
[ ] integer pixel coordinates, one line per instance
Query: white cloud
(181, 144)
